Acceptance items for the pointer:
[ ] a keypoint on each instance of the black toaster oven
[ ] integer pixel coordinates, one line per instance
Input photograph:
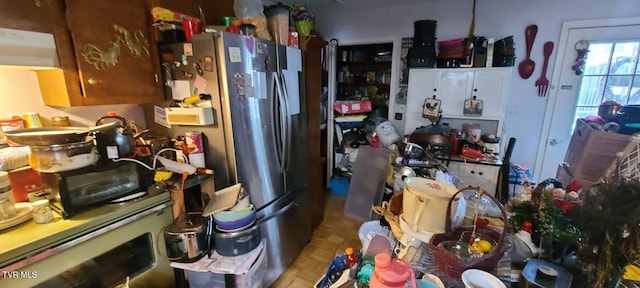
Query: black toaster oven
(80, 189)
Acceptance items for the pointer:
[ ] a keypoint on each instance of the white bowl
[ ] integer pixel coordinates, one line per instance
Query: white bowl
(474, 278)
(432, 280)
(242, 204)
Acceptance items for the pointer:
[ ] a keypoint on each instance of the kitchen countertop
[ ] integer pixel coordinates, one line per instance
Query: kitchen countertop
(28, 238)
(458, 158)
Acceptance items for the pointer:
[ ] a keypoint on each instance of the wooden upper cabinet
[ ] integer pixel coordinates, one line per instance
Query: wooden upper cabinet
(31, 15)
(115, 55)
(114, 51)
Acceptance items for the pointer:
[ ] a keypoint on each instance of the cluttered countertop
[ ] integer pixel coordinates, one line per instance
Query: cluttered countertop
(458, 158)
(30, 237)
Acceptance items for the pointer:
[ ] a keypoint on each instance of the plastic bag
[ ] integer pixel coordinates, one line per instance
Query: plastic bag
(250, 12)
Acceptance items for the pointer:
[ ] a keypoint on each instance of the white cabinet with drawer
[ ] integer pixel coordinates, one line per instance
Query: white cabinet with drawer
(474, 174)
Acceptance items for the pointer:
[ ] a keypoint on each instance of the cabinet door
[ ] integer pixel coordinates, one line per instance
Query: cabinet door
(31, 15)
(116, 60)
(484, 176)
(423, 84)
(455, 87)
(491, 86)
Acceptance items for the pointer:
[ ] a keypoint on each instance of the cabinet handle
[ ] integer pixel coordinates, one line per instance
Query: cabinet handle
(156, 76)
(479, 173)
(92, 81)
(434, 89)
(37, 3)
(475, 89)
(473, 172)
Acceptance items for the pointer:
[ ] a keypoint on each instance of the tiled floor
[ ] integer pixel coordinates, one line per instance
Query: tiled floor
(336, 233)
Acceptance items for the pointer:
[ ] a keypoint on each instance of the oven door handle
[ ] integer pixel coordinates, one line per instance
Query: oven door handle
(64, 246)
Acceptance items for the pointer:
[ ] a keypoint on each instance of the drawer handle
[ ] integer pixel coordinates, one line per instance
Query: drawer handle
(473, 172)
(479, 173)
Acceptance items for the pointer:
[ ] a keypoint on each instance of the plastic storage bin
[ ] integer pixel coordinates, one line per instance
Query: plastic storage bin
(251, 279)
(367, 183)
(339, 186)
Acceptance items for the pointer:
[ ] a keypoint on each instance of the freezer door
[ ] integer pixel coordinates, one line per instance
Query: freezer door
(286, 233)
(296, 172)
(251, 114)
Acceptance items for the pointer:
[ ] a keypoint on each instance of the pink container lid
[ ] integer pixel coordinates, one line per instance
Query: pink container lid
(392, 272)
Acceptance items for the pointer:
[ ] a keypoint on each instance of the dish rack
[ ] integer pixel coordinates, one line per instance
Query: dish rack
(629, 163)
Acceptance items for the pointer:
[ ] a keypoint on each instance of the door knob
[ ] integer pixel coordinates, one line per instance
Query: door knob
(553, 142)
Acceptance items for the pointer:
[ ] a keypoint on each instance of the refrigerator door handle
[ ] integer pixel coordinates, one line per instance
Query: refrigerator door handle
(276, 126)
(288, 123)
(275, 214)
(280, 127)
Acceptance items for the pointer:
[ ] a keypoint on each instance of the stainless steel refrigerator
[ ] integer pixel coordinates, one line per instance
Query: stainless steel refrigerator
(258, 138)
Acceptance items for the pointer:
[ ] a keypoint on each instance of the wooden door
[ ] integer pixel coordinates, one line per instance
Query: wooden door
(115, 53)
(312, 57)
(31, 15)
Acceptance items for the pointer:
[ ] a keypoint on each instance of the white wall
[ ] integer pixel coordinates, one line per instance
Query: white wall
(494, 18)
(20, 93)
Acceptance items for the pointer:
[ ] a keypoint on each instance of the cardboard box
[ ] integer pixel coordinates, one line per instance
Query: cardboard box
(564, 176)
(352, 107)
(591, 152)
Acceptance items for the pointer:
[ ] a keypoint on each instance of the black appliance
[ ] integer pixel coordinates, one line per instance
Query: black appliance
(423, 52)
(80, 189)
(629, 119)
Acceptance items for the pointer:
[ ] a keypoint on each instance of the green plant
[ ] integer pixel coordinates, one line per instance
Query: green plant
(547, 218)
(609, 219)
(300, 13)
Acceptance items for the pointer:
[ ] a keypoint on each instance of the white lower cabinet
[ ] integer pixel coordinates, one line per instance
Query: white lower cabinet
(474, 174)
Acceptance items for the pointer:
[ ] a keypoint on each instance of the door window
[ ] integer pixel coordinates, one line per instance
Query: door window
(611, 73)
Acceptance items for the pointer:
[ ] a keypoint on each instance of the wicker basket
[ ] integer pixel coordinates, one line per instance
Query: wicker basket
(394, 220)
(448, 263)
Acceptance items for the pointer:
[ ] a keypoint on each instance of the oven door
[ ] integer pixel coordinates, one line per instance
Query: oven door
(103, 258)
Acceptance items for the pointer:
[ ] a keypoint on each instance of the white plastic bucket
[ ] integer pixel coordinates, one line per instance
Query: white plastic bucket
(370, 229)
(387, 133)
(424, 204)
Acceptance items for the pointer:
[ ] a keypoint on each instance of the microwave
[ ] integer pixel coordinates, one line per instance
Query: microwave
(80, 189)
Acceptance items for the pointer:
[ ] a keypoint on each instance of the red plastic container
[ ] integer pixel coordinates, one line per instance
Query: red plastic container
(24, 181)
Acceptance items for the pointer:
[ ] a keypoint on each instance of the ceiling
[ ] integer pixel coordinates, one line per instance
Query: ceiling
(338, 3)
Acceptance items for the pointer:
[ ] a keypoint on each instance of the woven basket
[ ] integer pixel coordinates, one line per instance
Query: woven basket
(448, 263)
(394, 220)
